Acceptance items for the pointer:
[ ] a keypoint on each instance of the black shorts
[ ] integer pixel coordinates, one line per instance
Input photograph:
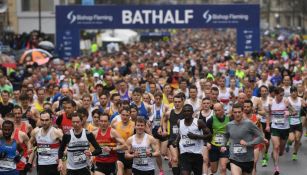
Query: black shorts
(106, 168)
(215, 154)
(171, 141)
(138, 172)
(158, 136)
(281, 133)
(48, 169)
(191, 162)
(267, 135)
(127, 163)
(246, 167)
(298, 127)
(82, 171)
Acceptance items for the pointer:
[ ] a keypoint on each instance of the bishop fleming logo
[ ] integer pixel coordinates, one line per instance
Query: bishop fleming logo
(71, 17)
(207, 16)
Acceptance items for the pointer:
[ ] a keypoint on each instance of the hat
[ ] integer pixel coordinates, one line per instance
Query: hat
(62, 77)
(142, 66)
(155, 64)
(96, 75)
(99, 83)
(176, 69)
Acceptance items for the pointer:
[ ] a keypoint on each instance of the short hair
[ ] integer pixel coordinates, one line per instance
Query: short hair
(40, 89)
(106, 93)
(214, 89)
(134, 106)
(293, 89)
(105, 114)
(96, 111)
(140, 119)
(70, 101)
(158, 94)
(193, 87)
(8, 122)
(125, 109)
(5, 92)
(114, 95)
(86, 96)
(76, 114)
(206, 98)
(249, 101)
(23, 97)
(264, 86)
(48, 111)
(278, 90)
(137, 90)
(17, 107)
(237, 106)
(82, 111)
(180, 95)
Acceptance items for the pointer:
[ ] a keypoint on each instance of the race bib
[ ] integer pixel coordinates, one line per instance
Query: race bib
(219, 139)
(7, 163)
(79, 158)
(175, 129)
(239, 149)
(141, 161)
(186, 142)
(156, 122)
(43, 150)
(279, 121)
(104, 154)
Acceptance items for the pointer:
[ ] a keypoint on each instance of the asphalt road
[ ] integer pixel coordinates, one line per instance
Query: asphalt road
(287, 166)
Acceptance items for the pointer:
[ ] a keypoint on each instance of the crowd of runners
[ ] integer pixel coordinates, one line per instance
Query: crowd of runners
(190, 101)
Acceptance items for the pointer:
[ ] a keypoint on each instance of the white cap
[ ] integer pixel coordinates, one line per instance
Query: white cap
(62, 77)
(155, 64)
(176, 69)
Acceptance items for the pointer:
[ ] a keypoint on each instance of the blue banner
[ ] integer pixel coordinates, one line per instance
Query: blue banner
(71, 19)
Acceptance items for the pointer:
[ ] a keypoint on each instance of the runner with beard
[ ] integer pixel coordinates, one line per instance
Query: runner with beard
(173, 117)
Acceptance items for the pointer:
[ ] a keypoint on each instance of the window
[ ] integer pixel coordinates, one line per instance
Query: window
(33, 5)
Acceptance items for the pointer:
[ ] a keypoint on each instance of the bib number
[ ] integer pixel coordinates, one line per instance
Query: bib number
(141, 161)
(156, 122)
(79, 158)
(104, 154)
(7, 163)
(239, 149)
(43, 150)
(175, 130)
(188, 142)
(279, 121)
(219, 139)
(295, 120)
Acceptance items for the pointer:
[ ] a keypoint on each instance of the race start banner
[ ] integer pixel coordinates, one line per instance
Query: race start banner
(245, 18)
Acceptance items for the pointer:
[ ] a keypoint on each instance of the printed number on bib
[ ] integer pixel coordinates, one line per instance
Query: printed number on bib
(156, 122)
(219, 139)
(295, 120)
(188, 142)
(141, 161)
(79, 157)
(279, 121)
(239, 149)
(9, 164)
(43, 150)
(175, 130)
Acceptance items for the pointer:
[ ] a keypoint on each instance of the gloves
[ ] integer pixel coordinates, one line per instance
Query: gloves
(3, 155)
(28, 167)
(17, 158)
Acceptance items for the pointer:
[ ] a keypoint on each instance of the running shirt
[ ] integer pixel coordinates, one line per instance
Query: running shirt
(206, 118)
(23, 161)
(76, 158)
(106, 140)
(47, 148)
(224, 97)
(125, 96)
(297, 105)
(279, 120)
(173, 119)
(143, 111)
(158, 114)
(195, 104)
(142, 163)
(287, 91)
(187, 145)
(66, 124)
(38, 107)
(7, 164)
(219, 128)
(125, 131)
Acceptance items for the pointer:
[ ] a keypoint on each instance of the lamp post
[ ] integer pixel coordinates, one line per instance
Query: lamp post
(39, 16)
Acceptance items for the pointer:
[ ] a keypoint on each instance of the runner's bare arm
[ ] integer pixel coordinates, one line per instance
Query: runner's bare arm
(155, 146)
(129, 154)
(122, 145)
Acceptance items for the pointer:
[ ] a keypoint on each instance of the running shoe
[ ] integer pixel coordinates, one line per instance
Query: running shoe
(294, 157)
(264, 163)
(266, 156)
(276, 170)
(161, 172)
